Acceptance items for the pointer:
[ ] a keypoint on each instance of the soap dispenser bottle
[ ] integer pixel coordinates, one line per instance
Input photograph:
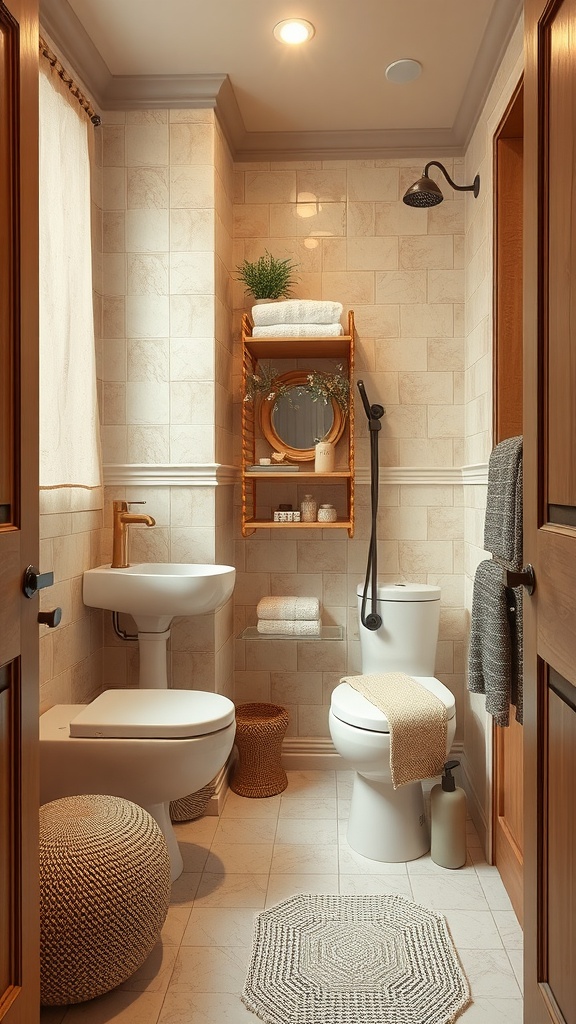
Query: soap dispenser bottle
(448, 821)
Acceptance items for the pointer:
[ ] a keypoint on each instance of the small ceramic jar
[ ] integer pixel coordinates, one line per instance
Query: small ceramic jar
(324, 455)
(326, 514)
(308, 509)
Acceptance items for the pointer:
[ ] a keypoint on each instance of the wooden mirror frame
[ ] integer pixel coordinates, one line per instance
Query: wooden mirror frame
(294, 379)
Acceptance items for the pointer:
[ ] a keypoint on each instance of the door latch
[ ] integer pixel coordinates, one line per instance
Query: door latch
(35, 580)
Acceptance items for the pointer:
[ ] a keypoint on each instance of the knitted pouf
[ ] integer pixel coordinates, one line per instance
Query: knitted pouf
(260, 729)
(104, 894)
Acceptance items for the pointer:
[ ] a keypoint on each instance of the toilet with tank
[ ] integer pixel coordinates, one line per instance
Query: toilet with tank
(150, 746)
(388, 824)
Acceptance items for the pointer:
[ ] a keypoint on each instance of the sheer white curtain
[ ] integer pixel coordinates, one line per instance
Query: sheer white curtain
(69, 425)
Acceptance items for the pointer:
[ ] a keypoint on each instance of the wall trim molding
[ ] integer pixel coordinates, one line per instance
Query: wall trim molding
(217, 474)
(170, 475)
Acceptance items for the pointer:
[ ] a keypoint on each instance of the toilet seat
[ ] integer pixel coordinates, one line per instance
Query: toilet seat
(351, 707)
(153, 714)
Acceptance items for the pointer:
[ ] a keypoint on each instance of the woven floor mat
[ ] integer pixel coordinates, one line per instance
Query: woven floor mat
(362, 959)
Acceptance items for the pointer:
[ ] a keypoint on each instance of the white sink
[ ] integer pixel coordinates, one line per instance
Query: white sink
(154, 592)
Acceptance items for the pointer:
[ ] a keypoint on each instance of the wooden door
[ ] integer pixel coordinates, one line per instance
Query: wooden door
(508, 816)
(19, 958)
(550, 511)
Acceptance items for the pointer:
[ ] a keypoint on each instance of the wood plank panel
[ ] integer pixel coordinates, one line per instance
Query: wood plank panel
(557, 599)
(561, 917)
(508, 288)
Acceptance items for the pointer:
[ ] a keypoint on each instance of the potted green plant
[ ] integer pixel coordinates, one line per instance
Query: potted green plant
(267, 277)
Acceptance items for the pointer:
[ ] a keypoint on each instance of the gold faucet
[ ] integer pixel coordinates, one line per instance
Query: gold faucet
(120, 522)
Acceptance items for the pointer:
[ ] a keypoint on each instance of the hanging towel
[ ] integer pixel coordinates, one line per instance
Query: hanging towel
(417, 720)
(296, 311)
(290, 627)
(495, 658)
(288, 608)
(503, 522)
(298, 331)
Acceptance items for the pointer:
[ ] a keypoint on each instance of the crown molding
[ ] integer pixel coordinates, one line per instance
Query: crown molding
(214, 91)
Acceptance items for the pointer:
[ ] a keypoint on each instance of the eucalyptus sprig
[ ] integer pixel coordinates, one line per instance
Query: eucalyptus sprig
(320, 387)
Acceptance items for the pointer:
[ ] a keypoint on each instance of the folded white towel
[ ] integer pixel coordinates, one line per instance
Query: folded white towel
(298, 331)
(288, 608)
(290, 627)
(296, 311)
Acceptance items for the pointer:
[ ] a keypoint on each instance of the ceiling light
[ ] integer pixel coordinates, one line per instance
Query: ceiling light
(404, 70)
(294, 31)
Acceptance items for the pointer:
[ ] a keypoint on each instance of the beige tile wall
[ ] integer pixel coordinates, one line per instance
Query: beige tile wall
(167, 396)
(401, 270)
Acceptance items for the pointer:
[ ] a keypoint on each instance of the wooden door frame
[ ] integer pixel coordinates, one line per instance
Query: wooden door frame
(507, 388)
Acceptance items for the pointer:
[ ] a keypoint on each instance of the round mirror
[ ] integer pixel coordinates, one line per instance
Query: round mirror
(294, 422)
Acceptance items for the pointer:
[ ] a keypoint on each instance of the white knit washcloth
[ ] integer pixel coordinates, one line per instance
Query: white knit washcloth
(288, 608)
(296, 311)
(298, 331)
(290, 627)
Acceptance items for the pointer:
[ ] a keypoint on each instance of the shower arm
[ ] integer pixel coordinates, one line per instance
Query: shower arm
(459, 188)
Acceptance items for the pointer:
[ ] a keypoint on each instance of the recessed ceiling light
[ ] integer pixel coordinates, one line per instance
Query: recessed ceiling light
(404, 70)
(294, 31)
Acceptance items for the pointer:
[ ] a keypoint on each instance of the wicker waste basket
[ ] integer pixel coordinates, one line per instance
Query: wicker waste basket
(260, 729)
(104, 894)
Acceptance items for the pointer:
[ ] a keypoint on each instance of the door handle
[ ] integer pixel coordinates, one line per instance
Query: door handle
(35, 580)
(524, 578)
(51, 618)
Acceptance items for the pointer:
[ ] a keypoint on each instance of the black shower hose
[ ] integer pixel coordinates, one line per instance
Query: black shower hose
(374, 413)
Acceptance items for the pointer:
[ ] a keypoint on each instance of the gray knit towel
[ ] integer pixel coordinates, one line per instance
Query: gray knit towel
(503, 522)
(495, 658)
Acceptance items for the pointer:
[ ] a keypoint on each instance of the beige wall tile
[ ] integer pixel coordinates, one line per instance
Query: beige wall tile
(192, 186)
(270, 186)
(401, 286)
(427, 320)
(147, 188)
(147, 230)
(378, 254)
(426, 252)
(367, 184)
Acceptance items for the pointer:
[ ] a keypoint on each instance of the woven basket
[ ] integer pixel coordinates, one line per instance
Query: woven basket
(260, 729)
(104, 894)
(188, 808)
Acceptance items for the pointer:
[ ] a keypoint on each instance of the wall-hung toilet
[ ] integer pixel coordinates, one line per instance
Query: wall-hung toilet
(389, 824)
(148, 746)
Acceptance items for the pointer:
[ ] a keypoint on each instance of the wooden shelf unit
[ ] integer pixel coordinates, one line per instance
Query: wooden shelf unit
(254, 350)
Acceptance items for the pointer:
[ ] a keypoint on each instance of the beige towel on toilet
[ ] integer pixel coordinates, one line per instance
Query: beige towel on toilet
(418, 722)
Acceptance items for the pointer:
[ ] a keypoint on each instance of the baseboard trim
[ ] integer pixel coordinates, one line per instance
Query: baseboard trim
(309, 753)
(221, 787)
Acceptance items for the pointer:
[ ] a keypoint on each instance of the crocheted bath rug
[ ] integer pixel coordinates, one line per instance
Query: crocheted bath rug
(366, 959)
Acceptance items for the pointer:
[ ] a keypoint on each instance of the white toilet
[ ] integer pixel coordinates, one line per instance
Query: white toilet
(148, 746)
(389, 824)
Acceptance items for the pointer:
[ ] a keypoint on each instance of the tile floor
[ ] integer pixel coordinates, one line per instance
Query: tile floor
(262, 851)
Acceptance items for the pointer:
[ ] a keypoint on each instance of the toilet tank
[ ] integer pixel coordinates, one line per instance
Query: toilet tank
(406, 640)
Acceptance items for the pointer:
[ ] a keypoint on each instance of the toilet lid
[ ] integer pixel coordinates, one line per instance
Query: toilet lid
(158, 714)
(352, 707)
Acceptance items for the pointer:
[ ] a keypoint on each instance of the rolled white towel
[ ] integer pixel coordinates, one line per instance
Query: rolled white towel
(296, 311)
(298, 331)
(288, 608)
(290, 627)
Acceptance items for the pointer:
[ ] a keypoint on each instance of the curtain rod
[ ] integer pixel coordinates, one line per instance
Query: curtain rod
(69, 81)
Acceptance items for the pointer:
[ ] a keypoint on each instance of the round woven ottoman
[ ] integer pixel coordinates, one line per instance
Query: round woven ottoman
(104, 894)
(260, 729)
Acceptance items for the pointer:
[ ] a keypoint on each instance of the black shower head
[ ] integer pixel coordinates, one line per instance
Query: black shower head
(425, 192)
